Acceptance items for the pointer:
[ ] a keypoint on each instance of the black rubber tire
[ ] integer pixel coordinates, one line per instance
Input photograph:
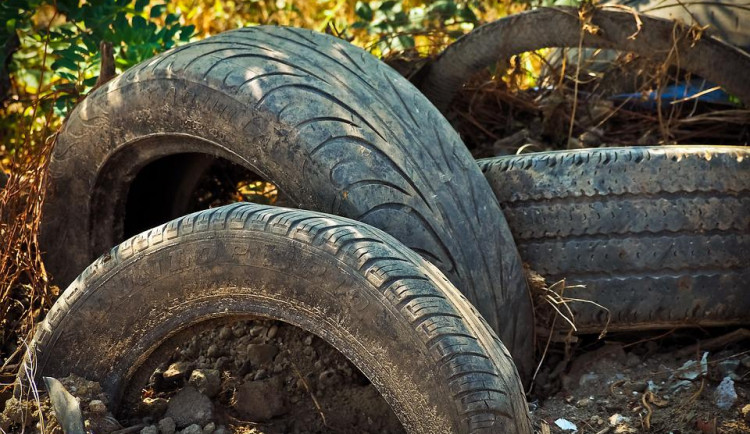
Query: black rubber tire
(658, 235)
(394, 315)
(335, 129)
(656, 38)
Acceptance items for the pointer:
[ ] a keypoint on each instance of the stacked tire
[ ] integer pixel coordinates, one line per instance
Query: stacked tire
(657, 236)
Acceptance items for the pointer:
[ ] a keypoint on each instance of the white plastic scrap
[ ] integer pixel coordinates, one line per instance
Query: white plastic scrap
(617, 419)
(689, 372)
(566, 425)
(725, 394)
(692, 369)
(704, 364)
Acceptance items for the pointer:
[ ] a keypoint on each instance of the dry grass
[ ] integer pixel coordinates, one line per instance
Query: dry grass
(25, 292)
(562, 99)
(554, 317)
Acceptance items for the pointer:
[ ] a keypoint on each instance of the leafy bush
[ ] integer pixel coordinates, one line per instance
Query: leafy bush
(397, 26)
(52, 53)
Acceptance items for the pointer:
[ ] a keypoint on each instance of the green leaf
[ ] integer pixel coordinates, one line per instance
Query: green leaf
(443, 8)
(400, 19)
(70, 55)
(466, 14)
(186, 32)
(387, 5)
(64, 63)
(172, 18)
(90, 45)
(140, 5)
(157, 11)
(139, 22)
(120, 23)
(68, 76)
(406, 41)
(364, 11)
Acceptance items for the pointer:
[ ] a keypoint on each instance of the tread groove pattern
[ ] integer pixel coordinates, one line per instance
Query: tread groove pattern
(476, 368)
(658, 235)
(313, 115)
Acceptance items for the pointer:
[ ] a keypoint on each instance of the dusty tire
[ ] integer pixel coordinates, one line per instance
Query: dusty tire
(335, 129)
(561, 27)
(394, 315)
(659, 235)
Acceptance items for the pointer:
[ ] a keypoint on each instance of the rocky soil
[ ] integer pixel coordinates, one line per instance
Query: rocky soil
(253, 376)
(653, 386)
(260, 376)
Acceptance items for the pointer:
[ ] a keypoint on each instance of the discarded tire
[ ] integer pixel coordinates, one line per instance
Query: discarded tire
(658, 235)
(562, 27)
(394, 315)
(336, 130)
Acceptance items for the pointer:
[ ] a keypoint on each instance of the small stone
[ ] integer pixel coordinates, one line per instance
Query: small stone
(151, 429)
(574, 143)
(97, 407)
(638, 386)
(189, 407)
(591, 138)
(167, 426)
(221, 430)
(157, 380)
(272, 332)
(587, 379)
(221, 363)
(632, 360)
(153, 406)
(209, 428)
(308, 340)
(583, 402)
(207, 381)
(259, 401)
(225, 333)
(177, 371)
(192, 429)
(328, 377)
(725, 394)
(239, 330)
(261, 354)
(213, 350)
(300, 384)
(258, 330)
(728, 367)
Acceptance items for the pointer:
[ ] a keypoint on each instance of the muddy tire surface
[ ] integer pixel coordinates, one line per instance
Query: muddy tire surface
(395, 316)
(658, 235)
(335, 129)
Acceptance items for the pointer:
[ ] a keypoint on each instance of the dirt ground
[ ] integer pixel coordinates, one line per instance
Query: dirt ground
(659, 386)
(266, 377)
